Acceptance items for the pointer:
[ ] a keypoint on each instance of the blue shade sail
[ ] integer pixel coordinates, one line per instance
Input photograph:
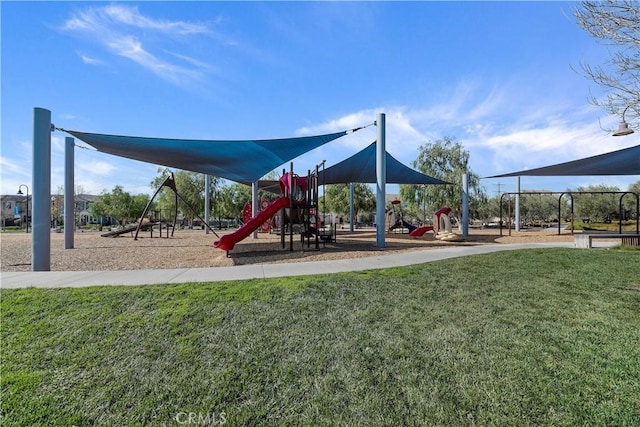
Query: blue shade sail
(240, 161)
(361, 168)
(620, 162)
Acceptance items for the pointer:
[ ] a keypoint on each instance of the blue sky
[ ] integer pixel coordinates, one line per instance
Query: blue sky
(498, 76)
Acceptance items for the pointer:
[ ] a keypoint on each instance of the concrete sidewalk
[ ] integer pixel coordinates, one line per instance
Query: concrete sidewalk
(78, 279)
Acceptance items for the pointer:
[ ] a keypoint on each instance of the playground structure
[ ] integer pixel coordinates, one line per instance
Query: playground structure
(144, 224)
(443, 230)
(395, 218)
(297, 204)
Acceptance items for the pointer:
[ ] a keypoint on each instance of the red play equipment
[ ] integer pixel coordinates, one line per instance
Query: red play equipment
(398, 221)
(443, 229)
(247, 210)
(228, 241)
(420, 230)
(297, 192)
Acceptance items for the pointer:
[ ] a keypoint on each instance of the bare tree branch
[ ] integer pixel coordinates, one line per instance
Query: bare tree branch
(617, 24)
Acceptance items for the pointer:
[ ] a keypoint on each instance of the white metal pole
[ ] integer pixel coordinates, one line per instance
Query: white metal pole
(69, 198)
(381, 180)
(41, 194)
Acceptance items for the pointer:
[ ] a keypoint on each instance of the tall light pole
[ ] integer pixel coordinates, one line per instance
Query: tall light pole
(21, 193)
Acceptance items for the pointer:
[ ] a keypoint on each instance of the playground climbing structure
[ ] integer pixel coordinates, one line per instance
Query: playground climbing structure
(169, 182)
(297, 205)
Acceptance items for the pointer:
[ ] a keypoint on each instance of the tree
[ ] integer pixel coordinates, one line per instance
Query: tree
(487, 209)
(231, 200)
(630, 201)
(539, 207)
(120, 205)
(336, 199)
(57, 202)
(617, 23)
(190, 187)
(446, 160)
(597, 207)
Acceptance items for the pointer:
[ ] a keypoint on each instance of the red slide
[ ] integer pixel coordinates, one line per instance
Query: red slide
(227, 241)
(421, 230)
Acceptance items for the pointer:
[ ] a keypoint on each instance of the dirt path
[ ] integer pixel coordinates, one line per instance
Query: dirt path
(192, 248)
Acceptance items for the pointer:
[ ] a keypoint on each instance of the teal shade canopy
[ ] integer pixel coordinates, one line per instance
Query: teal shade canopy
(239, 161)
(620, 162)
(361, 168)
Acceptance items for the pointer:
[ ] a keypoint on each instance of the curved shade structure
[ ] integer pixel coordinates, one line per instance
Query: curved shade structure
(240, 161)
(361, 168)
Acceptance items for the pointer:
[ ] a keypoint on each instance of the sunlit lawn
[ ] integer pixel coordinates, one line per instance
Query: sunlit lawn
(533, 337)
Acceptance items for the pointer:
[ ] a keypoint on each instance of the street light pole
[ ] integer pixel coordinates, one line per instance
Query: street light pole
(21, 193)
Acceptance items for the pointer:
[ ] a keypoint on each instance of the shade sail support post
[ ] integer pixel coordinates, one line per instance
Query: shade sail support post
(41, 195)
(69, 199)
(517, 203)
(381, 180)
(352, 191)
(254, 205)
(207, 200)
(465, 205)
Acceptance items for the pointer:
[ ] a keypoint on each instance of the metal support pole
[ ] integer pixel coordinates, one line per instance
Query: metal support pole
(465, 205)
(291, 183)
(254, 204)
(26, 219)
(424, 204)
(41, 202)
(69, 199)
(207, 200)
(381, 180)
(517, 203)
(352, 191)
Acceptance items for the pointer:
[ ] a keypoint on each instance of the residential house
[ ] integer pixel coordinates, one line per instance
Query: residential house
(14, 210)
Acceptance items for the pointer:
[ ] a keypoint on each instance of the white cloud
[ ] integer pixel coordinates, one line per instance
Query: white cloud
(89, 60)
(96, 168)
(131, 48)
(11, 166)
(14, 173)
(500, 137)
(123, 31)
(57, 144)
(132, 17)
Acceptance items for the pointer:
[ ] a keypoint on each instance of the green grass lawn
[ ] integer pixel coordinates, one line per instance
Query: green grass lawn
(532, 337)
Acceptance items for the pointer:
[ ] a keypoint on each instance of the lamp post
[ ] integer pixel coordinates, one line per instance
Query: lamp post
(21, 193)
(623, 127)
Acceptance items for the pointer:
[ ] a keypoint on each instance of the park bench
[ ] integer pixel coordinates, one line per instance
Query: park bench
(585, 240)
